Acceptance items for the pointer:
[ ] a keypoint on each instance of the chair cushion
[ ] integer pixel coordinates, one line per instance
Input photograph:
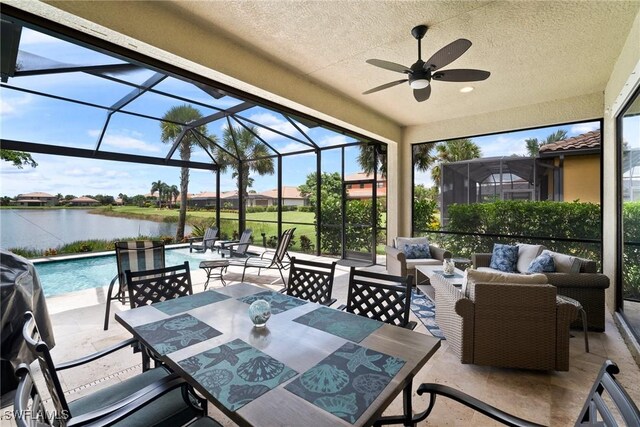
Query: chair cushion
(564, 263)
(543, 263)
(416, 251)
(168, 410)
(526, 254)
(504, 257)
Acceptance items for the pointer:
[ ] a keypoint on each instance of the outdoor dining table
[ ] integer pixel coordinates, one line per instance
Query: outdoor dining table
(310, 364)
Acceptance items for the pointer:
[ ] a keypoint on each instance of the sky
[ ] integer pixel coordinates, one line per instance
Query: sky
(29, 117)
(33, 118)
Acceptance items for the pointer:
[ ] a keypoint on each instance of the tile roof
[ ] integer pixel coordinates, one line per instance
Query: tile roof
(83, 199)
(36, 194)
(288, 192)
(361, 176)
(580, 142)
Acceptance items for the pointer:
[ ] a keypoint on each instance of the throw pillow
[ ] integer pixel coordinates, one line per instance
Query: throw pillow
(526, 254)
(402, 241)
(417, 251)
(542, 264)
(504, 257)
(564, 263)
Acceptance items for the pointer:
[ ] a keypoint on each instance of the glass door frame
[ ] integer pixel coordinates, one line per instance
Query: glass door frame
(619, 294)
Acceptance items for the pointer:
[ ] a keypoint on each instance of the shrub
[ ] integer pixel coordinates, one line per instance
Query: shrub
(306, 209)
(305, 244)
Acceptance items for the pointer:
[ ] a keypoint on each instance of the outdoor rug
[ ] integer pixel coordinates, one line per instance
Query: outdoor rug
(425, 310)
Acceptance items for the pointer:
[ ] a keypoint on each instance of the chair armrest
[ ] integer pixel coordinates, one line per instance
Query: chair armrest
(469, 401)
(578, 280)
(225, 243)
(96, 355)
(439, 253)
(481, 260)
(195, 239)
(396, 261)
(130, 404)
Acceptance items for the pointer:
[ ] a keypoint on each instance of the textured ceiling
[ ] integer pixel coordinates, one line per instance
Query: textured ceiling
(536, 51)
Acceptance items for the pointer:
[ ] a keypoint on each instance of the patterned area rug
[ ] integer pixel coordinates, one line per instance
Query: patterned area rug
(425, 310)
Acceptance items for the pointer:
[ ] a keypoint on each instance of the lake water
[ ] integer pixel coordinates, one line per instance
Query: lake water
(49, 228)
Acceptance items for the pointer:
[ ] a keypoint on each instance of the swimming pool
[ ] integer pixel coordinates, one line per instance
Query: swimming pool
(61, 277)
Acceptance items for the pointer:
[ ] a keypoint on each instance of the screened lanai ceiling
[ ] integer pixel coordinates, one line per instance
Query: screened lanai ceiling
(124, 110)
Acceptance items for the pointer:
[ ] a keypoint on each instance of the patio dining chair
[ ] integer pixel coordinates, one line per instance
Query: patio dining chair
(135, 256)
(311, 281)
(278, 259)
(155, 397)
(380, 297)
(606, 405)
(236, 248)
(201, 244)
(150, 286)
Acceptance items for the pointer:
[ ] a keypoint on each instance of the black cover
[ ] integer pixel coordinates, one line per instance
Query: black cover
(20, 291)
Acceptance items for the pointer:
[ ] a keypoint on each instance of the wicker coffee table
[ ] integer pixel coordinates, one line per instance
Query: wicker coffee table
(425, 272)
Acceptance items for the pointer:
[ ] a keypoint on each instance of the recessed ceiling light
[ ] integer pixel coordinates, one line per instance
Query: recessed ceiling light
(466, 89)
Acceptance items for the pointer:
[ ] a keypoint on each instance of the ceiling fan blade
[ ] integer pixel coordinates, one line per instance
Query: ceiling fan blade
(462, 75)
(422, 94)
(385, 86)
(391, 66)
(447, 54)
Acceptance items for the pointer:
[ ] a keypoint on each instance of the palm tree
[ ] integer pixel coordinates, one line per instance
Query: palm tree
(174, 192)
(453, 151)
(365, 159)
(166, 194)
(533, 145)
(242, 142)
(170, 131)
(159, 187)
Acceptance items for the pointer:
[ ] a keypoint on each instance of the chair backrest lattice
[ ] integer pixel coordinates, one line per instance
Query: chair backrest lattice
(40, 350)
(138, 255)
(311, 281)
(151, 286)
(379, 296)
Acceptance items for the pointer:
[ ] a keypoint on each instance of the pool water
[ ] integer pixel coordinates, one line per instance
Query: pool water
(61, 277)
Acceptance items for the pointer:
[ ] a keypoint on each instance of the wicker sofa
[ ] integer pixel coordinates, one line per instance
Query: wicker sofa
(587, 286)
(505, 324)
(399, 265)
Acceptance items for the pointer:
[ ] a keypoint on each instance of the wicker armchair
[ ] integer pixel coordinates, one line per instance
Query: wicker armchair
(505, 325)
(588, 287)
(398, 265)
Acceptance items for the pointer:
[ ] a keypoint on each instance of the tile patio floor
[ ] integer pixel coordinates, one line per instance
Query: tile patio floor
(549, 398)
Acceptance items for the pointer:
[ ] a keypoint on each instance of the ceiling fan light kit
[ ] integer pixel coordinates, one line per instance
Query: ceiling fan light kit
(420, 74)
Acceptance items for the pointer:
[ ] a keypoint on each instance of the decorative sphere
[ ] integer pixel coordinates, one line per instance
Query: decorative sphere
(259, 312)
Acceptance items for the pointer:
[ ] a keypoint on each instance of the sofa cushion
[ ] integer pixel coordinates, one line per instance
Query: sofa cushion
(411, 263)
(400, 242)
(543, 263)
(564, 263)
(483, 276)
(417, 251)
(526, 254)
(504, 257)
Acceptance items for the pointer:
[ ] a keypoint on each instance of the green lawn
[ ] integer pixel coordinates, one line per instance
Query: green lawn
(259, 222)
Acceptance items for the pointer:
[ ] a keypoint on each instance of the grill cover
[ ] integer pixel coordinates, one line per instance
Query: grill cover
(20, 291)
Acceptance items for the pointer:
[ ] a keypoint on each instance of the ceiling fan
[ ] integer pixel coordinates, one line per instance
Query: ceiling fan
(420, 74)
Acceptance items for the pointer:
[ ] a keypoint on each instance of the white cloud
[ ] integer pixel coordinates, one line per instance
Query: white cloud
(123, 141)
(581, 128)
(333, 140)
(274, 122)
(94, 133)
(13, 105)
